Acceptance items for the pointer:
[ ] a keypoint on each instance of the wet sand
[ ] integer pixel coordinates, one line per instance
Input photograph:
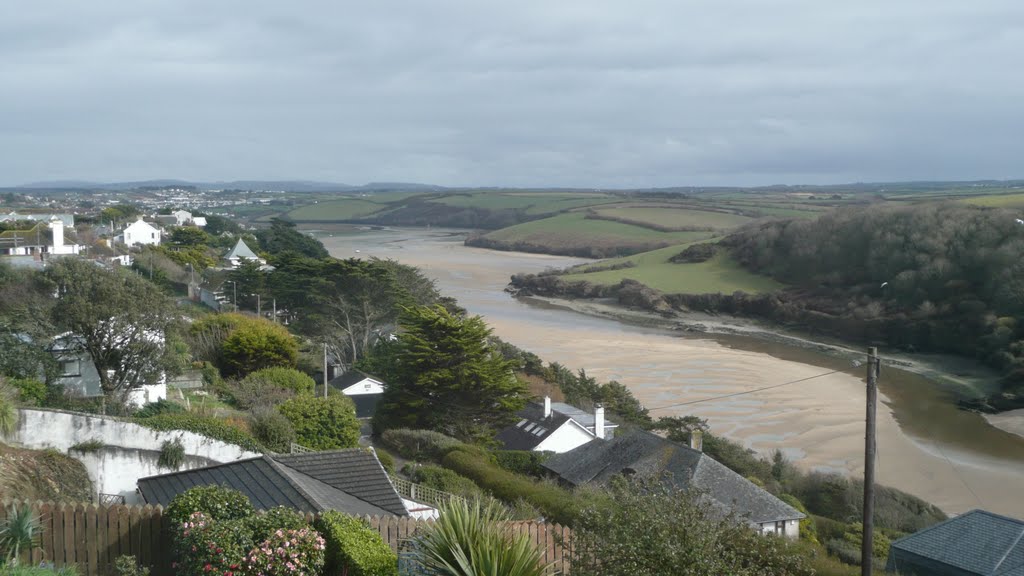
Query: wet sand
(1012, 421)
(819, 423)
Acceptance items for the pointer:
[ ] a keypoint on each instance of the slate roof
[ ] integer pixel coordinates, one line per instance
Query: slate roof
(351, 377)
(40, 234)
(651, 456)
(978, 542)
(241, 250)
(351, 481)
(586, 419)
(532, 428)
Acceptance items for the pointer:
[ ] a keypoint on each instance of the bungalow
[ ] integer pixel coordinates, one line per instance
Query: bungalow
(555, 427)
(647, 455)
(977, 543)
(364, 391)
(140, 233)
(351, 481)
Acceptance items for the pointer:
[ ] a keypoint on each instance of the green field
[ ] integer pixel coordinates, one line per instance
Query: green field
(998, 200)
(536, 203)
(672, 217)
(719, 274)
(334, 210)
(572, 231)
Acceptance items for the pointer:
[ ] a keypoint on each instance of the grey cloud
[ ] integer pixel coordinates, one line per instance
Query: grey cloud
(460, 92)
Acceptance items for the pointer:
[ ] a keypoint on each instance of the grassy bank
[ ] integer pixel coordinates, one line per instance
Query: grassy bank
(719, 274)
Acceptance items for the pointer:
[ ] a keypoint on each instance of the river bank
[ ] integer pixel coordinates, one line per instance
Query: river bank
(927, 447)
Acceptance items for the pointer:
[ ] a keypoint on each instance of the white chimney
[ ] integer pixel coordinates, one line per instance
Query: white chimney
(547, 406)
(599, 421)
(57, 226)
(697, 440)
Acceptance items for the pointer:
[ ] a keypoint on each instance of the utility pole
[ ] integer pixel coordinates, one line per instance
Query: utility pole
(275, 310)
(325, 369)
(259, 307)
(234, 287)
(867, 543)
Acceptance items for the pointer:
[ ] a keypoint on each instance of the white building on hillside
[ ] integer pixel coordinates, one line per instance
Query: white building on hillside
(44, 238)
(141, 233)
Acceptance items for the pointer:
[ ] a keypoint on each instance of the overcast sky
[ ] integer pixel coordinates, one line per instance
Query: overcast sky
(519, 93)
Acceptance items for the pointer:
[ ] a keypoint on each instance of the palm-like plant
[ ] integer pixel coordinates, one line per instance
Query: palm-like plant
(471, 540)
(20, 531)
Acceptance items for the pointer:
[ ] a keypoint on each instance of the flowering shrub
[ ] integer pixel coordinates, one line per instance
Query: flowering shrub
(205, 547)
(287, 553)
(217, 502)
(263, 524)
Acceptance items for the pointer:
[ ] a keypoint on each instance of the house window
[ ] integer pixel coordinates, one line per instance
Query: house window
(521, 422)
(71, 368)
(367, 386)
(780, 527)
(152, 235)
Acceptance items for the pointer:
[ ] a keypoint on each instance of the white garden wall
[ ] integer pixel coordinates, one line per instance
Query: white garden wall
(130, 451)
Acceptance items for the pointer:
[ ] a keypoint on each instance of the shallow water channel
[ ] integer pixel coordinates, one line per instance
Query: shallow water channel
(926, 446)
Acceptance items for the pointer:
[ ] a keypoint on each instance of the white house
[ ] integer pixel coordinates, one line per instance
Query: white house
(43, 238)
(141, 233)
(555, 427)
(182, 217)
(364, 391)
(199, 221)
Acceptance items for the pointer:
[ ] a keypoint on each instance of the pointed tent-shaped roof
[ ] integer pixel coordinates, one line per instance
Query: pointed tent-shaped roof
(241, 250)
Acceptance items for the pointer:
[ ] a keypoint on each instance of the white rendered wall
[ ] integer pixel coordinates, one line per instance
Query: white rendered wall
(131, 451)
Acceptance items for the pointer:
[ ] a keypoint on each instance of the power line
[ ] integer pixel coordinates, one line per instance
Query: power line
(745, 392)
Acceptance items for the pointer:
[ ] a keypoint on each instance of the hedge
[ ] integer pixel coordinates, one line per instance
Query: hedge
(446, 480)
(217, 502)
(557, 504)
(353, 548)
(522, 461)
(203, 425)
(419, 444)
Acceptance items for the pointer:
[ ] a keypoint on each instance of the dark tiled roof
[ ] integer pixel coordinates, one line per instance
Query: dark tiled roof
(336, 480)
(355, 471)
(532, 428)
(652, 456)
(349, 378)
(582, 417)
(977, 542)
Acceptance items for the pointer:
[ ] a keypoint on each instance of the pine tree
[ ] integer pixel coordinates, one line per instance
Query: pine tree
(442, 374)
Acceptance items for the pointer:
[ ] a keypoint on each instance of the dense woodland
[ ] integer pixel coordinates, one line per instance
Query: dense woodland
(933, 277)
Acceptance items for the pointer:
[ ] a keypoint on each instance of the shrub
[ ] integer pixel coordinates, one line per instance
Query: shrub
(263, 525)
(161, 406)
(273, 430)
(8, 413)
(287, 553)
(446, 480)
(323, 423)
(31, 392)
(257, 344)
(129, 566)
(287, 378)
(268, 387)
(203, 546)
(353, 548)
(215, 502)
(522, 461)
(92, 445)
(808, 530)
(556, 503)
(468, 539)
(205, 425)
(419, 444)
(172, 455)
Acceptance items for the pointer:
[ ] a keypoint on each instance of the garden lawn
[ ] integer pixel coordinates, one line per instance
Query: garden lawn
(719, 274)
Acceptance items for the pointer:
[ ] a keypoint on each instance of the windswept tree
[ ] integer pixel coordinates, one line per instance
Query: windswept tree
(120, 319)
(282, 236)
(444, 375)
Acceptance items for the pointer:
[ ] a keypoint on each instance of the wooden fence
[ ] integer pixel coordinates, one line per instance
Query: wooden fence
(91, 537)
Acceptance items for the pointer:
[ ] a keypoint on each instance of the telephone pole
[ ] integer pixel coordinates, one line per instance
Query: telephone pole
(325, 369)
(867, 540)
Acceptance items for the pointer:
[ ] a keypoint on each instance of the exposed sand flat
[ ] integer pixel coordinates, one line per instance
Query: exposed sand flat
(818, 423)
(1012, 421)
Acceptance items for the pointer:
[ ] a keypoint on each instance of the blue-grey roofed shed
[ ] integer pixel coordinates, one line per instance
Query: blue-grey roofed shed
(977, 543)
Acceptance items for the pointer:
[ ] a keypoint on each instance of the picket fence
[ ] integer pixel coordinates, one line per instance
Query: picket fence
(91, 536)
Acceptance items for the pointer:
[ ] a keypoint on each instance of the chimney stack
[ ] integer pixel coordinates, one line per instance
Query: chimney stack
(697, 440)
(547, 406)
(599, 421)
(57, 227)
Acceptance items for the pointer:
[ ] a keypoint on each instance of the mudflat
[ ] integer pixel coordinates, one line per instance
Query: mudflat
(818, 423)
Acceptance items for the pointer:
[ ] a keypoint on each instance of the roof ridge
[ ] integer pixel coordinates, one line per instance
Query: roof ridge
(190, 470)
(948, 520)
(995, 569)
(302, 491)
